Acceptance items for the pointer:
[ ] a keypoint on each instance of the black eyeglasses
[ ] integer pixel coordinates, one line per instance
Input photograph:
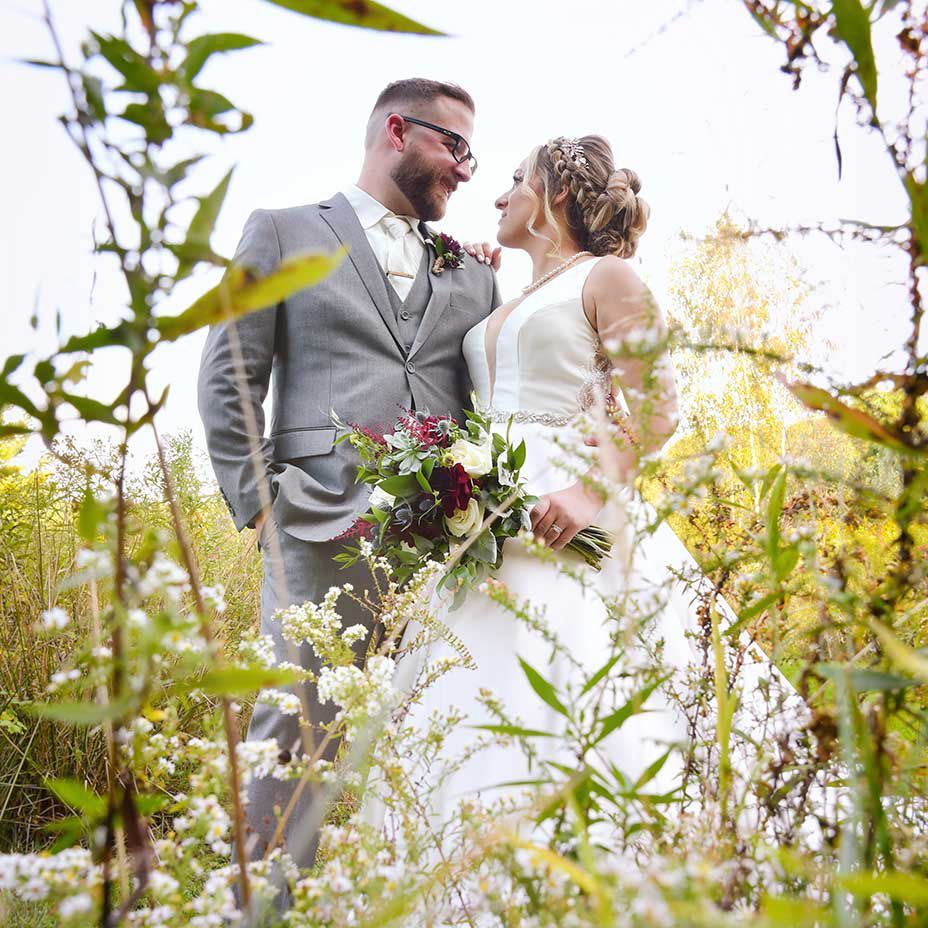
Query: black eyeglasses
(461, 151)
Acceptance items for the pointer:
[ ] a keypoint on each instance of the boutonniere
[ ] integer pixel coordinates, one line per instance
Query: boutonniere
(448, 252)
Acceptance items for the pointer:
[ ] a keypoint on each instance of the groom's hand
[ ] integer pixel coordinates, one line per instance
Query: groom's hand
(571, 510)
(485, 253)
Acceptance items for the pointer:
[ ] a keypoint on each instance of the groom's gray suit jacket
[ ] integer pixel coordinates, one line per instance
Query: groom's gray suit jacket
(336, 346)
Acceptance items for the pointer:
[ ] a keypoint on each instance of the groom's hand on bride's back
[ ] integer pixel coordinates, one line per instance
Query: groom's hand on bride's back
(485, 253)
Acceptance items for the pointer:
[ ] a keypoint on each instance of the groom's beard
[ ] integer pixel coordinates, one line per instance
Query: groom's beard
(421, 186)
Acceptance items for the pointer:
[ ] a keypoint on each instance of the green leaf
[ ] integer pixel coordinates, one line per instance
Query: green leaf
(89, 517)
(210, 103)
(176, 173)
(234, 681)
(853, 422)
(200, 49)
(795, 913)
(13, 362)
(240, 293)
(784, 561)
(400, 486)
(774, 508)
(515, 730)
(765, 22)
(70, 830)
(80, 713)
(543, 688)
(13, 396)
(652, 770)
(153, 802)
(907, 887)
(622, 715)
(196, 247)
(101, 337)
(39, 63)
(485, 548)
(91, 410)
(151, 117)
(206, 105)
(768, 480)
(8, 429)
(129, 63)
(756, 608)
(852, 24)
(201, 226)
(600, 673)
(864, 680)
(74, 794)
(900, 653)
(367, 15)
(93, 93)
(918, 197)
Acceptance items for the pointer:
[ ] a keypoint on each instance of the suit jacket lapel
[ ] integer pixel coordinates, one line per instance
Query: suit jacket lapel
(343, 221)
(438, 303)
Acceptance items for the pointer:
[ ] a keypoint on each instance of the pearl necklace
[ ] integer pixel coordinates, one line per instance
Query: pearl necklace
(535, 284)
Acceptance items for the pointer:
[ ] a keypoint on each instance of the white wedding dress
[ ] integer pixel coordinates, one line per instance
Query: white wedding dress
(544, 368)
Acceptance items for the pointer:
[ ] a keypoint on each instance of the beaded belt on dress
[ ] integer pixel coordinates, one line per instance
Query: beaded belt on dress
(521, 415)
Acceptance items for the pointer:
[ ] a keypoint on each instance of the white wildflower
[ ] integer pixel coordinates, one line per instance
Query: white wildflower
(136, 618)
(215, 596)
(286, 703)
(55, 618)
(164, 577)
(75, 905)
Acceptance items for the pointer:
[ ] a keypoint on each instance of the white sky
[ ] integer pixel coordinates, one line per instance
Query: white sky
(689, 93)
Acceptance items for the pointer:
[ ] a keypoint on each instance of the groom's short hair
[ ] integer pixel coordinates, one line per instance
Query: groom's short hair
(410, 94)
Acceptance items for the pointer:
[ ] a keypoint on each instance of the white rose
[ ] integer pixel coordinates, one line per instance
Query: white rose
(465, 521)
(380, 499)
(475, 459)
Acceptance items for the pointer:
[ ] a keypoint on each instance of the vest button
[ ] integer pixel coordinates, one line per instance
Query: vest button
(410, 367)
(404, 315)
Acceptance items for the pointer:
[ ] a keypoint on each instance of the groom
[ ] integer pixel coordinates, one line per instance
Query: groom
(382, 334)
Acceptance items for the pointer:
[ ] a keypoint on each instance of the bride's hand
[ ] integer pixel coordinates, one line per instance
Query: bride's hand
(571, 510)
(485, 253)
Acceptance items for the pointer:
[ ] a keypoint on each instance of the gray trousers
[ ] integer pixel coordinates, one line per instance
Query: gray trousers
(307, 571)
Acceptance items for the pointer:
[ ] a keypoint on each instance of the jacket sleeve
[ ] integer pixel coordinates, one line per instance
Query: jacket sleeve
(235, 373)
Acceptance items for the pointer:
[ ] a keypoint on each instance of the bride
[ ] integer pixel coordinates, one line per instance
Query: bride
(556, 683)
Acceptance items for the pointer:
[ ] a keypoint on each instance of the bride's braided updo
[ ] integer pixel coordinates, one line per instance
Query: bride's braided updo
(604, 213)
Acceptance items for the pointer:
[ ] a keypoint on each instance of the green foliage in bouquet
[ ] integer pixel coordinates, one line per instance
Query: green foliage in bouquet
(443, 492)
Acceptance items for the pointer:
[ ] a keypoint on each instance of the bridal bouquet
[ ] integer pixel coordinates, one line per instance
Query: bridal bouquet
(438, 485)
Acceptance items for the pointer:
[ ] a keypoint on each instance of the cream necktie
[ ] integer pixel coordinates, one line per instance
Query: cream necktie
(402, 254)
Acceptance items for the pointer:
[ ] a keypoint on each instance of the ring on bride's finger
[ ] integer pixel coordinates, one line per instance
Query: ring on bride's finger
(555, 528)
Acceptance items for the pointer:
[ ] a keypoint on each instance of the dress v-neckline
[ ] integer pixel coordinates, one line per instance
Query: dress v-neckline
(493, 370)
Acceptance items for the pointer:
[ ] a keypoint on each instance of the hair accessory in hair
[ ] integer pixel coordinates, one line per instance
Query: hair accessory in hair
(572, 150)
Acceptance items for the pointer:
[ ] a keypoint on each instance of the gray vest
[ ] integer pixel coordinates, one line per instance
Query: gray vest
(409, 313)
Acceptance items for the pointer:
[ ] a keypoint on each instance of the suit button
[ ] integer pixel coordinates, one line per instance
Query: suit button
(410, 367)
(404, 315)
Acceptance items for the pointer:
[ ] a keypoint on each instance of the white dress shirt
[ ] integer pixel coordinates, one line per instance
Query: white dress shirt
(371, 214)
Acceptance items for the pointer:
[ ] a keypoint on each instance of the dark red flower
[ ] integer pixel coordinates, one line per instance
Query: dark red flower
(451, 244)
(454, 487)
(357, 530)
(373, 432)
(428, 431)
